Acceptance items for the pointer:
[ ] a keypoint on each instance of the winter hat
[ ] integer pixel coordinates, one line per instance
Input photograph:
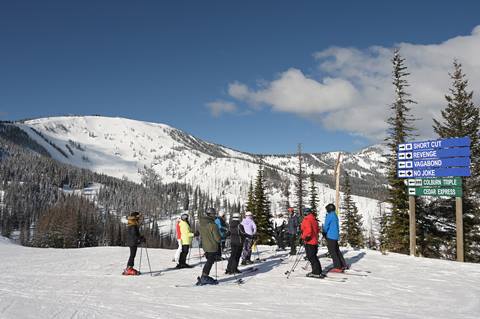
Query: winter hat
(330, 208)
(236, 216)
(248, 214)
(184, 216)
(133, 218)
(211, 212)
(307, 211)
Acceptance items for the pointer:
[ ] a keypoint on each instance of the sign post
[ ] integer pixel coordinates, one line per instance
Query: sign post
(412, 225)
(459, 222)
(434, 168)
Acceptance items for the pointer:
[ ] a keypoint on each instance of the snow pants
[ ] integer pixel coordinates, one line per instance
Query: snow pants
(183, 255)
(234, 258)
(208, 265)
(247, 249)
(293, 244)
(133, 253)
(311, 252)
(334, 250)
(178, 251)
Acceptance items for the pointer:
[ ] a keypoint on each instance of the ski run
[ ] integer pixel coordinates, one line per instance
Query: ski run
(86, 283)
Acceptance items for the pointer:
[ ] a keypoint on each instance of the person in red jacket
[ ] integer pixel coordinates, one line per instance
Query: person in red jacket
(310, 231)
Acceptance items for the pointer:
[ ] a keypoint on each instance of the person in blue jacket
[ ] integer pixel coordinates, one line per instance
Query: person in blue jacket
(331, 231)
(223, 230)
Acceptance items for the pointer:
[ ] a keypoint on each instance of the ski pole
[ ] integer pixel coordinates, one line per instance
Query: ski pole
(297, 261)
(148, 259)
(140, 264)
(216, 274)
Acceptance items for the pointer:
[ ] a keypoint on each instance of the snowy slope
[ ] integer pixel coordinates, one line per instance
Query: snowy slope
(86, 283)
(124, 148)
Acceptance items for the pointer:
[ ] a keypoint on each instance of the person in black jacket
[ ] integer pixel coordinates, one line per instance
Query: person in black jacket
(133, 240)
(237, 238)
(292, 230)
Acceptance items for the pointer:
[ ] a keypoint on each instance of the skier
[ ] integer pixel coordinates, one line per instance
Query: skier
(309, 236)
(185, 241)
(250, 229)
(222, 229)
(210, 241)
(133, 240)
(331, 232)
(292, 230)
(237, 239)
(280, 232)
(176, 258)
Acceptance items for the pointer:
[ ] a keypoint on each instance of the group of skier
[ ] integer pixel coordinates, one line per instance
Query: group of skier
(214, 231)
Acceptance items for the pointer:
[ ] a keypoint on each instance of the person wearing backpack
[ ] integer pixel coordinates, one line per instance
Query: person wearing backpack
(237, 239)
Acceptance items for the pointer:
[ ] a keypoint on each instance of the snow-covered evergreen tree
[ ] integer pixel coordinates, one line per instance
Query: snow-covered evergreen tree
(261, 211)
(396, 225)
(351, 229)
(461, 117)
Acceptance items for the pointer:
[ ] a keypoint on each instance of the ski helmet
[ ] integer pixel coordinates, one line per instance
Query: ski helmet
(184, 216)
(236, 216)
(248, 214)
(330, 208)
(307, 211)
(211, 211)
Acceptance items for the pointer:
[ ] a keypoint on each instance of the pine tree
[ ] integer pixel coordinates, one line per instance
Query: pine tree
(250, 199)
(351, 230)
(313, 194)
(400, 129)
(462, 118)
(300, 192)
(261, 211)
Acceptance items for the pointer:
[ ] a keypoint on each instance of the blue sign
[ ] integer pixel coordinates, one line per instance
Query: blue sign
(434, 154)
(435, 144)
(435, 163)
(434, 172)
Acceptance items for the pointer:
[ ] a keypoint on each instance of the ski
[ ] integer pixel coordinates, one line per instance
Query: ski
(328, 279)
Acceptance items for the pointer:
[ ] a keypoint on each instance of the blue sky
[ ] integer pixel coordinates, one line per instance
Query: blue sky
(279, 72)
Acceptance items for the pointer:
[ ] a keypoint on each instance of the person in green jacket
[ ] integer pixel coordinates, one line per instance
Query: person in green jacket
(210, 240)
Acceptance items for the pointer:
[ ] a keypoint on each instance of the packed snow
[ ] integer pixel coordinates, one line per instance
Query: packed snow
(87, 283)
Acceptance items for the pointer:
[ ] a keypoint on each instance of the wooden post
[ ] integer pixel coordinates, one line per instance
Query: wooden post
(459, 222)
(337, 182)
(412, 222)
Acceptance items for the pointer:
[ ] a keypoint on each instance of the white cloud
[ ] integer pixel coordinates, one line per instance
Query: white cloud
(218, 107)
(354, 90)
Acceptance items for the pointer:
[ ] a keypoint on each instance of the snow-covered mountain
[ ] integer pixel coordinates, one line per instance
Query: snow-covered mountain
(125, 148)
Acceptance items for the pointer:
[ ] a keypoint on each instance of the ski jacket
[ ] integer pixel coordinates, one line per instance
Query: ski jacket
(209, 234)
(331, 227)
(249, 226)
(179, 234)
(222, 227)
(310, 230)
(133, 236)
(237, 233)
(292, 226)
(186, 233)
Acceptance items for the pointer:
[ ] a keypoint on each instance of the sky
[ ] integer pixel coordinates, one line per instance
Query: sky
(256, 76)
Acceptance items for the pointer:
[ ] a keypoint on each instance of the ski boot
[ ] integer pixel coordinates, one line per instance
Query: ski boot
(317, 276)
(206, 280)
(130, 271)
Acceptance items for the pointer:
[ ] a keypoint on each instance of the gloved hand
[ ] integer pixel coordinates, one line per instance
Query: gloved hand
(143, 239)
(228, 233)
(308, 238)
(197, 233)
